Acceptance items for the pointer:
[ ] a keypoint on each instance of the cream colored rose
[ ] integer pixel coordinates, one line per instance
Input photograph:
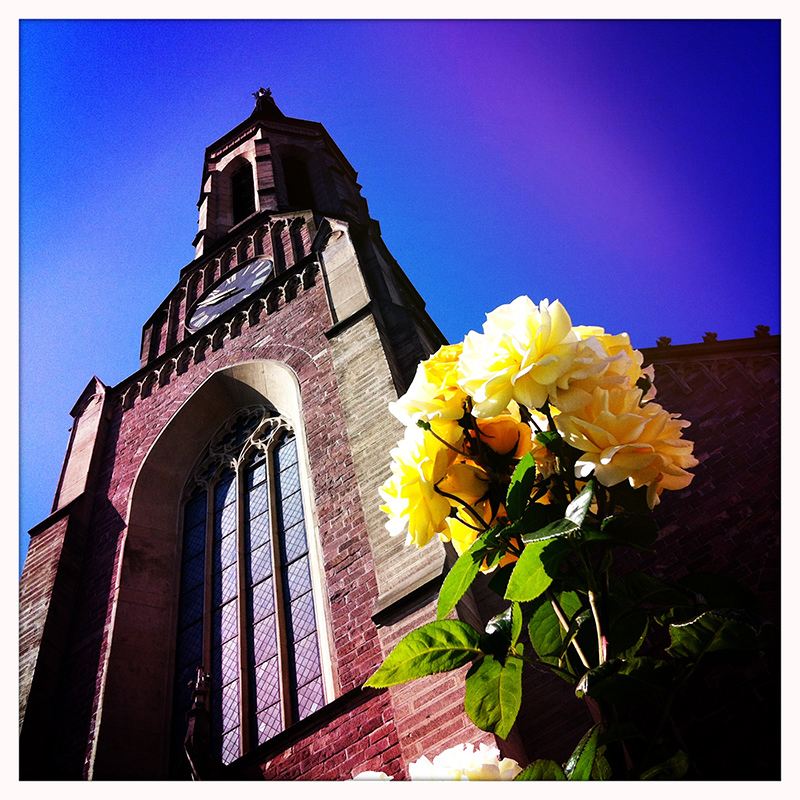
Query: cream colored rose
(418, 462)
(434, 394)
(522, 352)
(622, 440)
(465, 762)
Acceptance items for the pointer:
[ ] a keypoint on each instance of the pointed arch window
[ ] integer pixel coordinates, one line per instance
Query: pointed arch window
(246, 605)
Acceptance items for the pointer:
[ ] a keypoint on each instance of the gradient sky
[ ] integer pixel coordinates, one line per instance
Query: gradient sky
(629, 169)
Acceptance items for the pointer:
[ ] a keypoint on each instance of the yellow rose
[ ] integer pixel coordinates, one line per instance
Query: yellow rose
(522, 352)
(419, 462)
(506, 435)
(602, 360)
(622, 441)
(434, 395)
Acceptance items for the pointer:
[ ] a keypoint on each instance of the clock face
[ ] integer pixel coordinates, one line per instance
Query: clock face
(229, 292)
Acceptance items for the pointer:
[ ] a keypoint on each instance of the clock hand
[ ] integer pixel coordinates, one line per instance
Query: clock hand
(213, 300)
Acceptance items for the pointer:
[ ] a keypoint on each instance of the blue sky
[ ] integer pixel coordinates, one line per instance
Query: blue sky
(629, 169)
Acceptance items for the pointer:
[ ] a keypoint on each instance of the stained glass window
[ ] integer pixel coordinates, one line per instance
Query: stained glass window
(246, 606)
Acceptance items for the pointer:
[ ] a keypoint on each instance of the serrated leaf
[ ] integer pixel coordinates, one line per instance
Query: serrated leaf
(670, 770)
(561, 527)
(581, 762)
(627, 629)
(578, 509)
(494, 694)
(535, 570)
(519, 490)
(459, 579)
(436, 647)
(721, 629)
(542, 770)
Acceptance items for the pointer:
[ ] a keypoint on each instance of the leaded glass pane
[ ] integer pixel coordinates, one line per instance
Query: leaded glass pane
(230, 746)
(257, 500)
(290, 511)
(260, 564)
(190, 608)
(288, 481)
(294, 543)
(225, 709)
(268, 685)
(225, 552)
(258, 531)
(264, 640)
(286, 454)
(225, 521)
(194, 540)
(225, 491)
(226, 622)
(301, 620)
(193, 573)
(262, 601)
(309, 698)
(225, 663)
(306, 660)
(298, 578)
(257, 473)
(223, 586)
(268, 723)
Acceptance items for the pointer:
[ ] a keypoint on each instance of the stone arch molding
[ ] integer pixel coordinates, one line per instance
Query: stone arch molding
(137, 681)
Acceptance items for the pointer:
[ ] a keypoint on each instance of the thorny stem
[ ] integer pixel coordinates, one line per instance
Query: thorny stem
(565, 625)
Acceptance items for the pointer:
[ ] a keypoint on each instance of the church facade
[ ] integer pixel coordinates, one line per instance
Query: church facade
(215, 582)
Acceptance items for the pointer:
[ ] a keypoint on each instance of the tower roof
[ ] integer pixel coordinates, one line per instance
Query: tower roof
(266, 108)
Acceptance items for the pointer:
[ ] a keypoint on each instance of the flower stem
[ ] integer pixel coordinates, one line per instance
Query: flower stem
(467, 507)
(565, 625)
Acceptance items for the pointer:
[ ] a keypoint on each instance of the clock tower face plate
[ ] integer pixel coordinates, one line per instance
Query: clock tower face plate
(229, 292)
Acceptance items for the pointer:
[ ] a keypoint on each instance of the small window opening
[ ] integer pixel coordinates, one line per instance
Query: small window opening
(298, 183)
(243, 196)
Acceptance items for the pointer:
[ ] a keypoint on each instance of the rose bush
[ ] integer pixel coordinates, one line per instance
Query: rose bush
(537, 449)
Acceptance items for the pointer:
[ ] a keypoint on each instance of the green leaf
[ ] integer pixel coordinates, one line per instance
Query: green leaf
(542, 770)
(561, 527)
(578, 509)
(546, 632)
(494, 694)
(551, 440)
(535, 570)
(601, 771)
(581, 762)
(721, 629)
(574, 628)
(670, 770)
(626, 682)
(516, 623)
(635, 530)
(436, 647)
(519, 490)
(459, 579)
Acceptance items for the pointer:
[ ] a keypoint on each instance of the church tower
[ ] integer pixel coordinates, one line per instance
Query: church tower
(215, 542)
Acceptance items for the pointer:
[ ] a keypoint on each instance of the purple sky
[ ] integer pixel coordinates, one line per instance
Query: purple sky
(629, 169)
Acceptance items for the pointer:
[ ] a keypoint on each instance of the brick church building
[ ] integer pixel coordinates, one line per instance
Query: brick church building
(217, 510)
